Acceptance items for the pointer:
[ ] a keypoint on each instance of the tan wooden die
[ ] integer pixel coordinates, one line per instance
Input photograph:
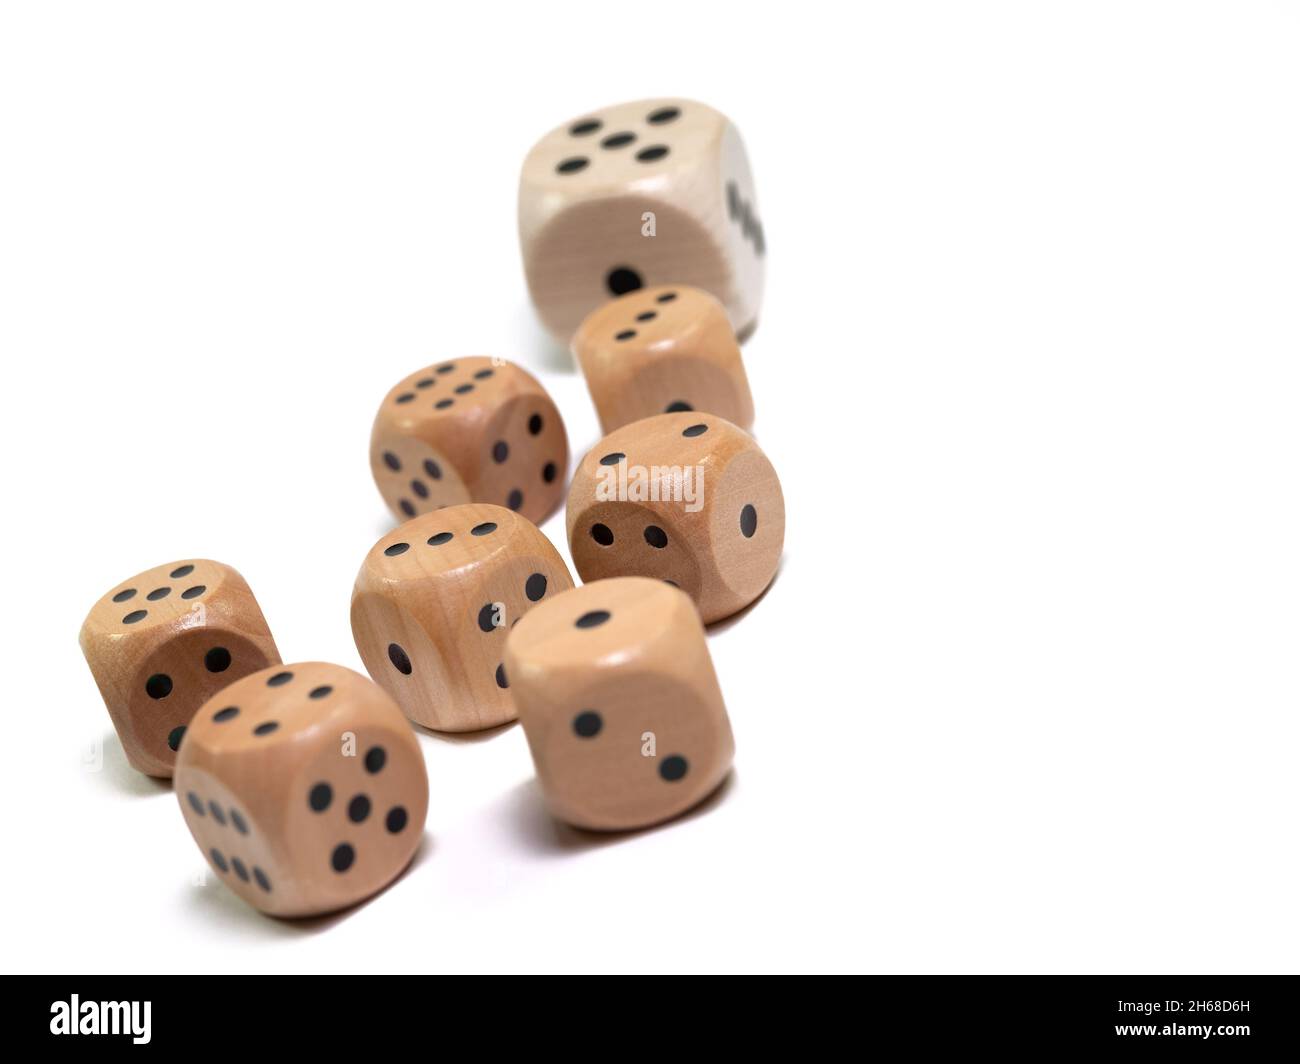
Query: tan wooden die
(688, 498)
(662, 350)
(640, 194)
(432, 605)
(619, 701)
(160, 644)
(304, 787)
(469, 430)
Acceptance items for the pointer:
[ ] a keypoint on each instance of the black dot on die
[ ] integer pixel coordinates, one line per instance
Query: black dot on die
(342, 857)
(549, 472)
(392, 461)
(572, 165)
(223, 715)
(399, 659)
(405, 397)
(587, 724)
(613, 459)
(418, 487)
(439, 539)
(622, 279)
(626, 334)
(240, 824)
(320, 692)
(266, 728)
(397, 548)
(500, 451)
(502, 681)
(677, 407)
(240, 870)
(673, 768)
(585, 128)
(656, 536)
(407, 507)
(194, 592)
(485, 529)
(181, 570)
(217, 659)
(535, 587)
(376, 757)
(426, 382)
(196, 803)
(158, 685)
(463, 389)
(158, 593)
(442, 404)
(175, 736)
(667, 297)
(433, 469)
(487, 618)
(592, 619)
(319, 797)
(695, 430)
(217, 814)
(396, 819)
(262, 880)
(748, 521)
(652, 154)
(535, 424)
(514, 500)
(663, 115)
(447, 367)
(647, 315)
(358, 809)
(602, 534)
(618, 140)
(279, 679)
(134, 616)
(123, 595)
(218, 859)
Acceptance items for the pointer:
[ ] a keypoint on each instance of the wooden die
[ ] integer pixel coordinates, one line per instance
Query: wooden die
(641, 194)
(304, 787)
(162, 643)
(432, 605)
(621, 706)
(469, 430)
(687, 498)
(663, 350)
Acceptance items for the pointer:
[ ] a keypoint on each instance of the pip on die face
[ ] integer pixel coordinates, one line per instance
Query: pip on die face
(589, 186)
(663, 350)
(687, 498)
(620, 704)
(469, 430)
(304, 787)
(161, 643)
(433, 602)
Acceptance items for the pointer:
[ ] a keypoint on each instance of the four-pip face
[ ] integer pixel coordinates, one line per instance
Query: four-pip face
(162, 643)
(636, 195)
(620, 704)
(659, 351)
(304, 787)
(469, 429)
(432, 605)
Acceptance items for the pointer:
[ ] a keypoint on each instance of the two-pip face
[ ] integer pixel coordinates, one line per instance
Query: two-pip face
(636, 195)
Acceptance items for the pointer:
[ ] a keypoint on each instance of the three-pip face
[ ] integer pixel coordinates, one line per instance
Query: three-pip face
(620, 704)
(636, 195)
(433, 603)
(469, 430)
(161, 643)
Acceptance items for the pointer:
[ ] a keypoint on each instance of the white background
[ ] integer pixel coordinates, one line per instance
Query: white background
(1025, 695)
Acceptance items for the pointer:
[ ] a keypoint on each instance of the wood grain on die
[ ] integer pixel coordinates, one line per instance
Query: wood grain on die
(722, 551)
(161, 643)
(620, 703)
(304, 787)
(586, 186)
(433, 602)
(660, 350)
(472, 429)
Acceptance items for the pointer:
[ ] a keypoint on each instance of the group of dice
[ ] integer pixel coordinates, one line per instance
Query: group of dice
(304, 784)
